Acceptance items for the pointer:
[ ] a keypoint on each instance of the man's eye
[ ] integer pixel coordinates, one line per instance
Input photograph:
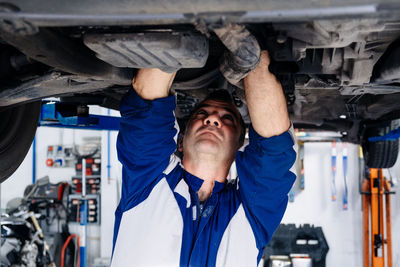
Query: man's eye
(201, 112)
(228, 117)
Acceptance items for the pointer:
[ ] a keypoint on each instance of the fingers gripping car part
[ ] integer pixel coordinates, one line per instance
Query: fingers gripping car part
(243, 55)
(168, 51)
(64, 54)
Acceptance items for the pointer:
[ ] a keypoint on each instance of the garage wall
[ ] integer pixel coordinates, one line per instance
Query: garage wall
(313, 205)
(342, 228)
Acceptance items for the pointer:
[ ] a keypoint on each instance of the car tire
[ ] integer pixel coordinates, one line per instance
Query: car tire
(381, 154)
(17, 130)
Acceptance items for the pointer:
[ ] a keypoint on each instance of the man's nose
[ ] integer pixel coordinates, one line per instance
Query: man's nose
(213, 120)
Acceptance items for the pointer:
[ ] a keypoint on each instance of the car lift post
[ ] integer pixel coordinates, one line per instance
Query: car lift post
(83, 218)
(61, 116)
(373, 204)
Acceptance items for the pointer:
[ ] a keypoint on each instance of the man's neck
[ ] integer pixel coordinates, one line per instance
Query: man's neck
(209, 170)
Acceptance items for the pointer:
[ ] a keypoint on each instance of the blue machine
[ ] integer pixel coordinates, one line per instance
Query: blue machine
(52, 115)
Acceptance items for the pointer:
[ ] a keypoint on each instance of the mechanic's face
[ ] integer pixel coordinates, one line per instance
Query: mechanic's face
(213, 129)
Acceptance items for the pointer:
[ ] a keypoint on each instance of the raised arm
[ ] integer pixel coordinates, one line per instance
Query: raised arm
(264, 167)
(265, 100)
(151, 84)
(148, 132)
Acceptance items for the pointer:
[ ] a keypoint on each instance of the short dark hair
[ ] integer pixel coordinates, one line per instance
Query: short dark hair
(223, 96)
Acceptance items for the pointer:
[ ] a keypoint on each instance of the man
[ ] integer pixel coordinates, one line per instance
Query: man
(185, 213)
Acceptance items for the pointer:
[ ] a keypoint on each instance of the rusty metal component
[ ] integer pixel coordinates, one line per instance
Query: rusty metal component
(243, 52)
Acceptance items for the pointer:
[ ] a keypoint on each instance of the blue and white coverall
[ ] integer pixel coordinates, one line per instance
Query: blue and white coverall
(159, 220)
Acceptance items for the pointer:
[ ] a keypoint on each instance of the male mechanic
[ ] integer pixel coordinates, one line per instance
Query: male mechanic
(185, 213)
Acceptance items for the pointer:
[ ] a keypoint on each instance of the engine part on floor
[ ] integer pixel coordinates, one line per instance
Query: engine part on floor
(243, 52)
(306, 239)
(49, 202)
(168, 51)
(23, 242)
(375, 204)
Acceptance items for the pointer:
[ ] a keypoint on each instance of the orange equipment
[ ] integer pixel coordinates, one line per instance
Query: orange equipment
(374, 208)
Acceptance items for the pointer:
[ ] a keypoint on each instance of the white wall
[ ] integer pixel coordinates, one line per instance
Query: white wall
(342, 228)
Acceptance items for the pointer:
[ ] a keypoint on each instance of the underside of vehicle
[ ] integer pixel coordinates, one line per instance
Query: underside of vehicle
(338, 62)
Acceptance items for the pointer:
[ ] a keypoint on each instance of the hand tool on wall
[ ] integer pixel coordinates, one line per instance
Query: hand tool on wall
(333, 165)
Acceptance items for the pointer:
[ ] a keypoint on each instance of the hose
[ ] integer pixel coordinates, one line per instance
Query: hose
(65, 247)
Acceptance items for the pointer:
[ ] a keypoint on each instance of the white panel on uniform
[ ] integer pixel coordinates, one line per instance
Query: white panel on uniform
(238, 245)
(150, 234)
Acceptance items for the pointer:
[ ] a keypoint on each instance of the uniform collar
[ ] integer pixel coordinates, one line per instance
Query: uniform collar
(195, 182)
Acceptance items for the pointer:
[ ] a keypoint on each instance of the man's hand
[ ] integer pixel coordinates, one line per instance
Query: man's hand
(266, 100)
(151, 84)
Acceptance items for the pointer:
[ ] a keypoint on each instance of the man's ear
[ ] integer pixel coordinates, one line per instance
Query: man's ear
(180, 142)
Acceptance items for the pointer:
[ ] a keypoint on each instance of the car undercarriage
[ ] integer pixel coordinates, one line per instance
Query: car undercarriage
(337, 61)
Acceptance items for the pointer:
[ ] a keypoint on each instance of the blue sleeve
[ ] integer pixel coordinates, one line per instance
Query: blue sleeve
(265, 180)
(146, 140)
